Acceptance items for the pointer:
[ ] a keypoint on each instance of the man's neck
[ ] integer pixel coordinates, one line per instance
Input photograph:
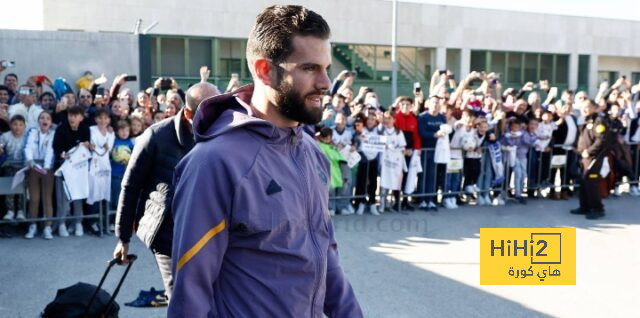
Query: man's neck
(266, 110)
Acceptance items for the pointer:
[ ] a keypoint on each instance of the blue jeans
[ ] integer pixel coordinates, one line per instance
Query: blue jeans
(453, 184)
(427, 179)
(520, 172)
(115, 191)
(486, 174)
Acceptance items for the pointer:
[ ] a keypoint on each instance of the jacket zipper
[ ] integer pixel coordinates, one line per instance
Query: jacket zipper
(313, 238)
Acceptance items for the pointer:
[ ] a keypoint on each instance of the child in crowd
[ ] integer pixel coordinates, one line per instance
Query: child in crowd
(158, 116)
(38, 154)
(12, 148)
(336, 159)
(486, 172)
(120, 156)
(522, 140)
(100, 168)
(472, 154)
(137, 126)
(342, 139)
(69, 134)
(456, 164)
(542, 147)
(393, 163)
(367, 179)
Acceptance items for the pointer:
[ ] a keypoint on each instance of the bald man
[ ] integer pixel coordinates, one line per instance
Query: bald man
(147, 185)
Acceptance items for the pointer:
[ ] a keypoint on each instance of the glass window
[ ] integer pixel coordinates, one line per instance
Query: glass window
(478, 61)
(530, 67)
(635, 78)
(514, 74)
(562, 69)
(498, 63)
(546, 67)
(230, 57)
(199, 55)
(583, 70)
(172, 55)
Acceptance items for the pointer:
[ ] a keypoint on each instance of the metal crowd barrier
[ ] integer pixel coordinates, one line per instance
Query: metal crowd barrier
(556, 170)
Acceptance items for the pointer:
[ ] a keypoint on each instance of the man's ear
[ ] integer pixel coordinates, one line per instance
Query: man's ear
(263, 71)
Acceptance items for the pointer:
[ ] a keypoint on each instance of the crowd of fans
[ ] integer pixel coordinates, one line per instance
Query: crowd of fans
(470, 142)
(43, 125)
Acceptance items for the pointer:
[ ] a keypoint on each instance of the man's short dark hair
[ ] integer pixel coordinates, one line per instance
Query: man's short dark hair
(17, 118)
(100, 112)
(44, 94)
(11, 74)
(272, 35)
(325, 132)
(76, 110)
(4, 88)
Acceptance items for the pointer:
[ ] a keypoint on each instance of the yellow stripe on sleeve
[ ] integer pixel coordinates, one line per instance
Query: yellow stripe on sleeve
(200, 244)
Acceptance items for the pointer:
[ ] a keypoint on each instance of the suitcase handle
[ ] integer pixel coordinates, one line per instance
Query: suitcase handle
(131, 258)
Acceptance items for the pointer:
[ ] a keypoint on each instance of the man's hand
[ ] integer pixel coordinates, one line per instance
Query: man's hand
(158, 83)
(100, 80)
(585, 154)
(119, 80)
(121, 252)
(174, 84)
(204, 73)
(528, 87)
(343, 75)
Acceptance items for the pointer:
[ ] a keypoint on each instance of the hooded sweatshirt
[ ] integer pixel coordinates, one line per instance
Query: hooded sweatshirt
(252, 233)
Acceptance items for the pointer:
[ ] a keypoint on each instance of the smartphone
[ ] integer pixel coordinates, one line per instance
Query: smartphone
(443, 72)
(416, 87)
(235, 75)
(165, 83)
(368, 90)
(353, 73)
(130, 78)
(7, 64)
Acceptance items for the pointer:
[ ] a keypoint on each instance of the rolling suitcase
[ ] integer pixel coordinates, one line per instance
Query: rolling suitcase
(84, 300)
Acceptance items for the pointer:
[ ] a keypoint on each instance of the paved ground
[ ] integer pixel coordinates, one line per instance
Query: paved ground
(401, 265)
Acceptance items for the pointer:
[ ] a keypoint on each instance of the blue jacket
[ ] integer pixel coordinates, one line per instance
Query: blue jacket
(428, 125)
(253, 236)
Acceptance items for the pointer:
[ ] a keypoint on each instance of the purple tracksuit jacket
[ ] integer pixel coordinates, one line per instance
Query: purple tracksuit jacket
(252, 234)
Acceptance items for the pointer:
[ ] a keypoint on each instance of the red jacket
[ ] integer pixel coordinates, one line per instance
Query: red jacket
(409, 125)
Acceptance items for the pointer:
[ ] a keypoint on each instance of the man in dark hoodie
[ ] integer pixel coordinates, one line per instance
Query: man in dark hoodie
(252, 235)
(147, 189)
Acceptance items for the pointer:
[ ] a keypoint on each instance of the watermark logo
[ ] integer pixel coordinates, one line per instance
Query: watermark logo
(528, 256)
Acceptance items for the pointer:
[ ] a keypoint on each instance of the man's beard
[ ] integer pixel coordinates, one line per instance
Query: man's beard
(291, 104)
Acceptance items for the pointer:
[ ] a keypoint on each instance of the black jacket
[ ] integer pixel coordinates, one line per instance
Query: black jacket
(150, 170)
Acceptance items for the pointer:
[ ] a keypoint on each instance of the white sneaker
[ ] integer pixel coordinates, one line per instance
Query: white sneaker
(634, 191)
(447, 204)
(481, 200)
(422, 205)
(432, 205)
(31, 232)
(469, 189)
(332, 212)
(373, 210)
(46, 233)
(616, 191)
(9, 215)
(62, 230)
(20, 215)
(79, 230)
(351, 209)
(360, 210)
(498, 201)
(345, 211)
(453, 203)
(475, 188)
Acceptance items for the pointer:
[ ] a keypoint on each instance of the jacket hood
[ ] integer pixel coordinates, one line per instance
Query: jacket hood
(224, 113)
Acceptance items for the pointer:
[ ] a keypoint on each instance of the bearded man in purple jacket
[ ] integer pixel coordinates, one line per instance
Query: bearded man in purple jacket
(252, 234)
